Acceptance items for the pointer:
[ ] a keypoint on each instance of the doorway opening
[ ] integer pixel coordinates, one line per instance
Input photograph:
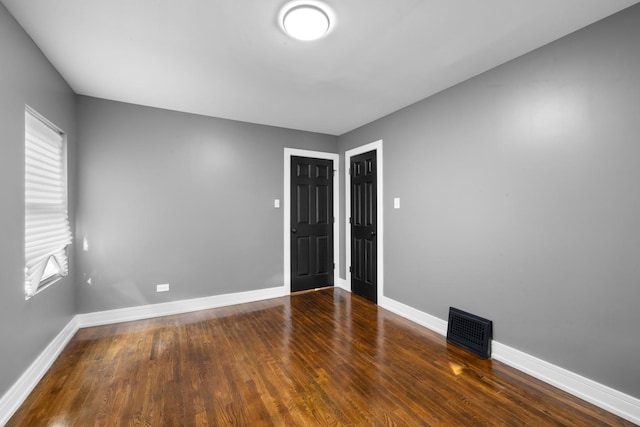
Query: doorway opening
(289, 155)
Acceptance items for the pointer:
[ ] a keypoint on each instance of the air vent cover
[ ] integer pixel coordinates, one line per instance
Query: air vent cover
(470, 332)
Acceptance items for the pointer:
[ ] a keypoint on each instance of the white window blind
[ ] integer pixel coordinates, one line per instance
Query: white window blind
(47, 230)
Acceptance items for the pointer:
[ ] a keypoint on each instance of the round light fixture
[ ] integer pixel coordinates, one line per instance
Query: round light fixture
(306, 21)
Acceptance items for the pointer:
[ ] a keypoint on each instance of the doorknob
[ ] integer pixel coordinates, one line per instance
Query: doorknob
(373, 233)
(293, 230)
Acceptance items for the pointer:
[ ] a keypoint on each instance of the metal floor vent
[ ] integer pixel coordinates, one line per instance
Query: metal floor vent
(470, 332)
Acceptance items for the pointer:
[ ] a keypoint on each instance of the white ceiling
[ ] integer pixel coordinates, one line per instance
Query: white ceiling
(230, 59)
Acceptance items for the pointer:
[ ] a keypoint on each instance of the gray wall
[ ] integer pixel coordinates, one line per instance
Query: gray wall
(27, 78)
(168, 197)
(521, 202)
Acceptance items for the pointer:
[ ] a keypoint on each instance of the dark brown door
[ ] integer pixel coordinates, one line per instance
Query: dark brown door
(311, 223)
(364, 243)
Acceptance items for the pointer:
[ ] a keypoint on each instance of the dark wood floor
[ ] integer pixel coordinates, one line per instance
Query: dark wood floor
(317, 358)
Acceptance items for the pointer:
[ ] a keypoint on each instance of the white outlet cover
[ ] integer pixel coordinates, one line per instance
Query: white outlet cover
(162, 288)
(276, 203)
(396, 203)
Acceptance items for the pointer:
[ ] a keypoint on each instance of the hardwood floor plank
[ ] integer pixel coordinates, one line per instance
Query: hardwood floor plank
(324, 358)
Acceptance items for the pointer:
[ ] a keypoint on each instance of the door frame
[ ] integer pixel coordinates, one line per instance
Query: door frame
(288, 153)
(377, 147)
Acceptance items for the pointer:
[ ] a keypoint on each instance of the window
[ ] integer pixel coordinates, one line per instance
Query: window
(47, 232)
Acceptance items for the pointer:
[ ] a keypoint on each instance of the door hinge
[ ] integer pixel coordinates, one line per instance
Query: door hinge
(334, 265)
(349, 171)
(349, 269)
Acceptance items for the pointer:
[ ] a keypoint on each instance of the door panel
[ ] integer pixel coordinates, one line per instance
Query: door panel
(364, 225)
(311, 223)
(322, 251)
(303, 204)
(304, 252)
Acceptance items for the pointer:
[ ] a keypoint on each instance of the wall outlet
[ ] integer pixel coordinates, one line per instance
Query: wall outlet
(162, 288)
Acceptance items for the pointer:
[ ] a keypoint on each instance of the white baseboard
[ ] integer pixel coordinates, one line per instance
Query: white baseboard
(342, 284)
(614, 401)
(175, 307)
(12, 399)
(416, 316)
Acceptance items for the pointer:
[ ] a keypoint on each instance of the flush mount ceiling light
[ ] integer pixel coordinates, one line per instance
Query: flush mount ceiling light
(305, 21)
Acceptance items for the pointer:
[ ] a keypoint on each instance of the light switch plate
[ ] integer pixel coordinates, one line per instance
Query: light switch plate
(396, 203)
(276, 203)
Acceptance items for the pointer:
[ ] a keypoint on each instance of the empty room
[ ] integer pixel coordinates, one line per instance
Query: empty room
(295, 213)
